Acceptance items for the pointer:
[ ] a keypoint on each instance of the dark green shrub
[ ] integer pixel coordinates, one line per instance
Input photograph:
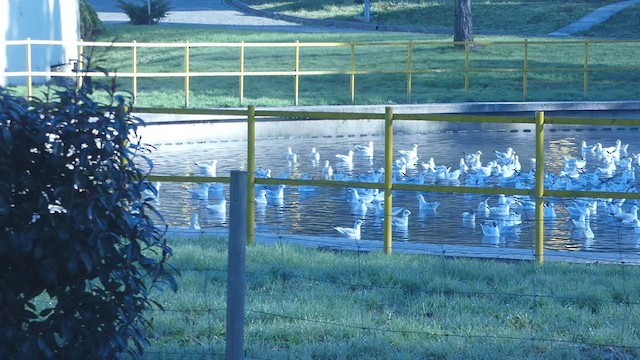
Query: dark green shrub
(139, 13)
(90, 23)
(79, 251)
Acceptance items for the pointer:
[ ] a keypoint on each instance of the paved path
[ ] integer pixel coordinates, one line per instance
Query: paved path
(205, 12)
(594, 18)
(337, 243)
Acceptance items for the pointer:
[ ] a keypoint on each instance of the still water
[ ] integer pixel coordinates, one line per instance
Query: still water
(317, 212)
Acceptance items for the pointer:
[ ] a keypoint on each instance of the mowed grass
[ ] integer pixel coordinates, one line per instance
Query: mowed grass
(497, 16)
(625, 24)
(555, 68)
(379, 61)
(312, 304)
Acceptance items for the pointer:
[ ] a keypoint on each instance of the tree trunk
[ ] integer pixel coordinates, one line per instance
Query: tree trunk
(463, 29)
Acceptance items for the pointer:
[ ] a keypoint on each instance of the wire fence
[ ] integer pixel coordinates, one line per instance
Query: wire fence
(330, 297)
(361, 305)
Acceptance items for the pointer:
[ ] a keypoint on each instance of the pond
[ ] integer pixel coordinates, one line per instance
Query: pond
(317, 211)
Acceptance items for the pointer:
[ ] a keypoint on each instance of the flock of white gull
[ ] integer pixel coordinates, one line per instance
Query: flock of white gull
(596, 167)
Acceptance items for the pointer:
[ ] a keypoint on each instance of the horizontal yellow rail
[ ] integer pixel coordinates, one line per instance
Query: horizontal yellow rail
(320, 114)
(466, 118)
(407, 187)
(149, 110)
(598, 121)
(313, 44)
(190, 179)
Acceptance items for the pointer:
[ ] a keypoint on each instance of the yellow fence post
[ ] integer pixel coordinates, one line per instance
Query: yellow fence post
(29, 77)
(241, 80)
(134, 66)
(409, 69)
(586, 70)
(466, 69)
(79, 64)
(186, 75)
(388, 176)
(251, 169)
(296, 77)
(539, 216)
(525, 76)
(352, 76)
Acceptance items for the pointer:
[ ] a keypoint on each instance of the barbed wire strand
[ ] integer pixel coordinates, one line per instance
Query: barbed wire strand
(624, 280)
(281, 273)
(443, 262)
(360, 289)
(444, 334)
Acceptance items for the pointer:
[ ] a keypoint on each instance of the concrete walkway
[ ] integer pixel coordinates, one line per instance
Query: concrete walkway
(214, 13)
(596, 17)
(487, 251)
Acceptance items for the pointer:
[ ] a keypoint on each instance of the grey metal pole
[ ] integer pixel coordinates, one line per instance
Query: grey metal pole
(367, 11)
(236, 268)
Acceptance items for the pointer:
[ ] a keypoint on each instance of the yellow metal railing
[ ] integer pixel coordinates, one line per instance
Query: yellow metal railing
(538, 192)
(405, 62)
(251, 169)
(539, 187)
(388, 177)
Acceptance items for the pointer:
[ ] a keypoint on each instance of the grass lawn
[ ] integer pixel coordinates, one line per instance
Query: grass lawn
(555, 70)
(312, 304)
(625, 24)
(506, 17)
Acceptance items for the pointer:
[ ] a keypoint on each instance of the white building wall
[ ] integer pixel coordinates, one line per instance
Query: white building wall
(38, 20)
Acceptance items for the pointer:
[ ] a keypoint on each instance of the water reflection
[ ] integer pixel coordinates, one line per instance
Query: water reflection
(491, 240)
(317, 210)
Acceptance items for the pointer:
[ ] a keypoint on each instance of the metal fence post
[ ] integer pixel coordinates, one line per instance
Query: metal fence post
(367, 11)
(296, 77)
(466, 69)
(251, 169)
(525, 76)
(409, 69)
(539, 217)
(134, 66)
(352, 76)
(29, 77)
(388, 177)
(585, 89)
(186, 76)
(241, 78)
(236, 277)
(79, 64)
